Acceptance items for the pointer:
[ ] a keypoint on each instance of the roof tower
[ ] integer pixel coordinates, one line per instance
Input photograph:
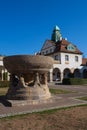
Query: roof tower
(56, 35)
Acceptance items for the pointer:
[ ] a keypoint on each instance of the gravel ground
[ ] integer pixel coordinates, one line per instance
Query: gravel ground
(64, 119)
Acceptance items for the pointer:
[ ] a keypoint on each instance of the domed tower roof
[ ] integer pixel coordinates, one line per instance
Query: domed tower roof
(56, 35)
(56, 28)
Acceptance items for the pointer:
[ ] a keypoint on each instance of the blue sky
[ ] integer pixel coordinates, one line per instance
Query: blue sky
(26, 24)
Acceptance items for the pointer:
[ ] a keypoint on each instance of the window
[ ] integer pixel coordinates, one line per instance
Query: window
(76, 58)
(66, 58)
(46, 51)
(71, 47)
(56, 57)
(50, 50)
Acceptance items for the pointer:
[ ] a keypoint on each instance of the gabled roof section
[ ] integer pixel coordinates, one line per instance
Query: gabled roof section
(63, 45)
(48, 44)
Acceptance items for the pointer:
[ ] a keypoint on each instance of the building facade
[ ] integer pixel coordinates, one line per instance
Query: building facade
(68, 61)
(4, 75)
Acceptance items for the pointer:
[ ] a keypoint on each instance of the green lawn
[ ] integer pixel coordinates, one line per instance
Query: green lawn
(3, 91)
(59, 91)
(83, 98)
(53, 91)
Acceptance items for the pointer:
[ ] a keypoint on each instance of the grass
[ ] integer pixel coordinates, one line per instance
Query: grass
(42, 113)
(59, 91)
(83, 98)
(57, 109)
(3, 91)
(53, 91)
(57, 119)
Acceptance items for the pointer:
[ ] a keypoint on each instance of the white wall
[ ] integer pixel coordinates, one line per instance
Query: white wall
(1, 60)
(70, 64)
(1, 63)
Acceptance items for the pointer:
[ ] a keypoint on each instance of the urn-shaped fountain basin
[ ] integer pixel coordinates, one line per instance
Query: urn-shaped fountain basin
(27, 63)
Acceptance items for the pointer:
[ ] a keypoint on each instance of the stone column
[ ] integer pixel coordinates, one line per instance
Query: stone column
(51, 76)
(2, 75)
(45, 78)
(8, 75)
(61, 76)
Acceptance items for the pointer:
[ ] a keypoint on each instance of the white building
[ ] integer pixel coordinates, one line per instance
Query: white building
(68, 61)
(4, 75)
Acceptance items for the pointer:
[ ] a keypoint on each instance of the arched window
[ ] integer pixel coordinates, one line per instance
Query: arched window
(85, 73)
(77, 73)
(56, 74)
(66, 73)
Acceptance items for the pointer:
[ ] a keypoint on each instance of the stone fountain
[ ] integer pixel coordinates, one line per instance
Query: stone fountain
(28, 79)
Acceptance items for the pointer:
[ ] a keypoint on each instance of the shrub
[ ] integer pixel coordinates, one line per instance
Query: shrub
(5, 74)
(4, 84)
(74, 81)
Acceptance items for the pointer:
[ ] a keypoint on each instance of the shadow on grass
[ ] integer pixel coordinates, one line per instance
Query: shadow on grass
(4, 101)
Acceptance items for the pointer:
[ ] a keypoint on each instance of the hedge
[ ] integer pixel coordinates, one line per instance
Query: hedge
(4, 84)
(74, 81)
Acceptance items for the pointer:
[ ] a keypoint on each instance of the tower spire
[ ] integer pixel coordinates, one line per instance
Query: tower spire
(56, 35)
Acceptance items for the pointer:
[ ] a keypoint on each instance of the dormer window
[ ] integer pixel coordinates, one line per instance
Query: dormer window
(71, 47)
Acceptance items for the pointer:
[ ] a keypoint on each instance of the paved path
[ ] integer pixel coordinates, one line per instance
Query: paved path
(61, 100)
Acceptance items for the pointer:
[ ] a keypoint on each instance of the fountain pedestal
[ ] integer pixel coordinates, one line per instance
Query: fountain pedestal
(28, 80)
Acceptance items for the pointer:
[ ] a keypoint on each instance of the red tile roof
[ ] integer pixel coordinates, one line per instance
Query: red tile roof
(62, 47)
(84, 61)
